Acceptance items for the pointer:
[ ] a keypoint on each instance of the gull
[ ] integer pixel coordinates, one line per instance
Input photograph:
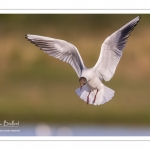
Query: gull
(91, 90)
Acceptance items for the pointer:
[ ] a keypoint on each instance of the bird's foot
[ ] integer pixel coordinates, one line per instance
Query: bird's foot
(88, 98)
(95, 97)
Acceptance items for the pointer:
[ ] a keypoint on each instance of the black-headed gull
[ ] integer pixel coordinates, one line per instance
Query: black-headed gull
(91, 90)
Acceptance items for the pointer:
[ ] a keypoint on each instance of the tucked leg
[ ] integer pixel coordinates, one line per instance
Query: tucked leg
(88, 98)
(95, 97)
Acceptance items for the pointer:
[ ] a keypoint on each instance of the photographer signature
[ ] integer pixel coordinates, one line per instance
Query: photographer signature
(9, 124)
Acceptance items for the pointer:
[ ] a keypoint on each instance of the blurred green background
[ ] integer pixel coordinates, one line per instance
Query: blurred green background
(35, 87)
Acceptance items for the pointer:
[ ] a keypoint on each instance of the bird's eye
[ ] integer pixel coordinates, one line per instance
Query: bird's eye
(84, 83)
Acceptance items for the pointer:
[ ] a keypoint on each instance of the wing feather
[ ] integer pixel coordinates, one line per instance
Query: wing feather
(60, 49)
(111, 50)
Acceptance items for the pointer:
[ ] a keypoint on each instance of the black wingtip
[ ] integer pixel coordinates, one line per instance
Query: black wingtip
(139, 16)
(26, 36)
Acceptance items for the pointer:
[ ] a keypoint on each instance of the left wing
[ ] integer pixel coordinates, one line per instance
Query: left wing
(111, 50)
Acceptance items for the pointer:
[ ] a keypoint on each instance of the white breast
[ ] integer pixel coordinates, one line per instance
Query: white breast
(92, 78)
(95, 83)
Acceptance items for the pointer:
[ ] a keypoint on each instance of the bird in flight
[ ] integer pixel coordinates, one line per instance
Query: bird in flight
(91, 90)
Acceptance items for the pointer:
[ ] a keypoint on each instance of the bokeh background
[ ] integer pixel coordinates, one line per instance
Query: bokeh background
(36, 88)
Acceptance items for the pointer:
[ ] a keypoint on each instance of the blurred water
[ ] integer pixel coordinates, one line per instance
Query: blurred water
(74, 130)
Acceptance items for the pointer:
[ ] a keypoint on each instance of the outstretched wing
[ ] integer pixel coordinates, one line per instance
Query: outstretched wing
(60, 49)
(111, 50)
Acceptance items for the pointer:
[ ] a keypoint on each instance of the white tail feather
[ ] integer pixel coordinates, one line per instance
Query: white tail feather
(104, 94)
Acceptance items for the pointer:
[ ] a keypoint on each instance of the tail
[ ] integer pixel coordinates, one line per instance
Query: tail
(104, 94)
